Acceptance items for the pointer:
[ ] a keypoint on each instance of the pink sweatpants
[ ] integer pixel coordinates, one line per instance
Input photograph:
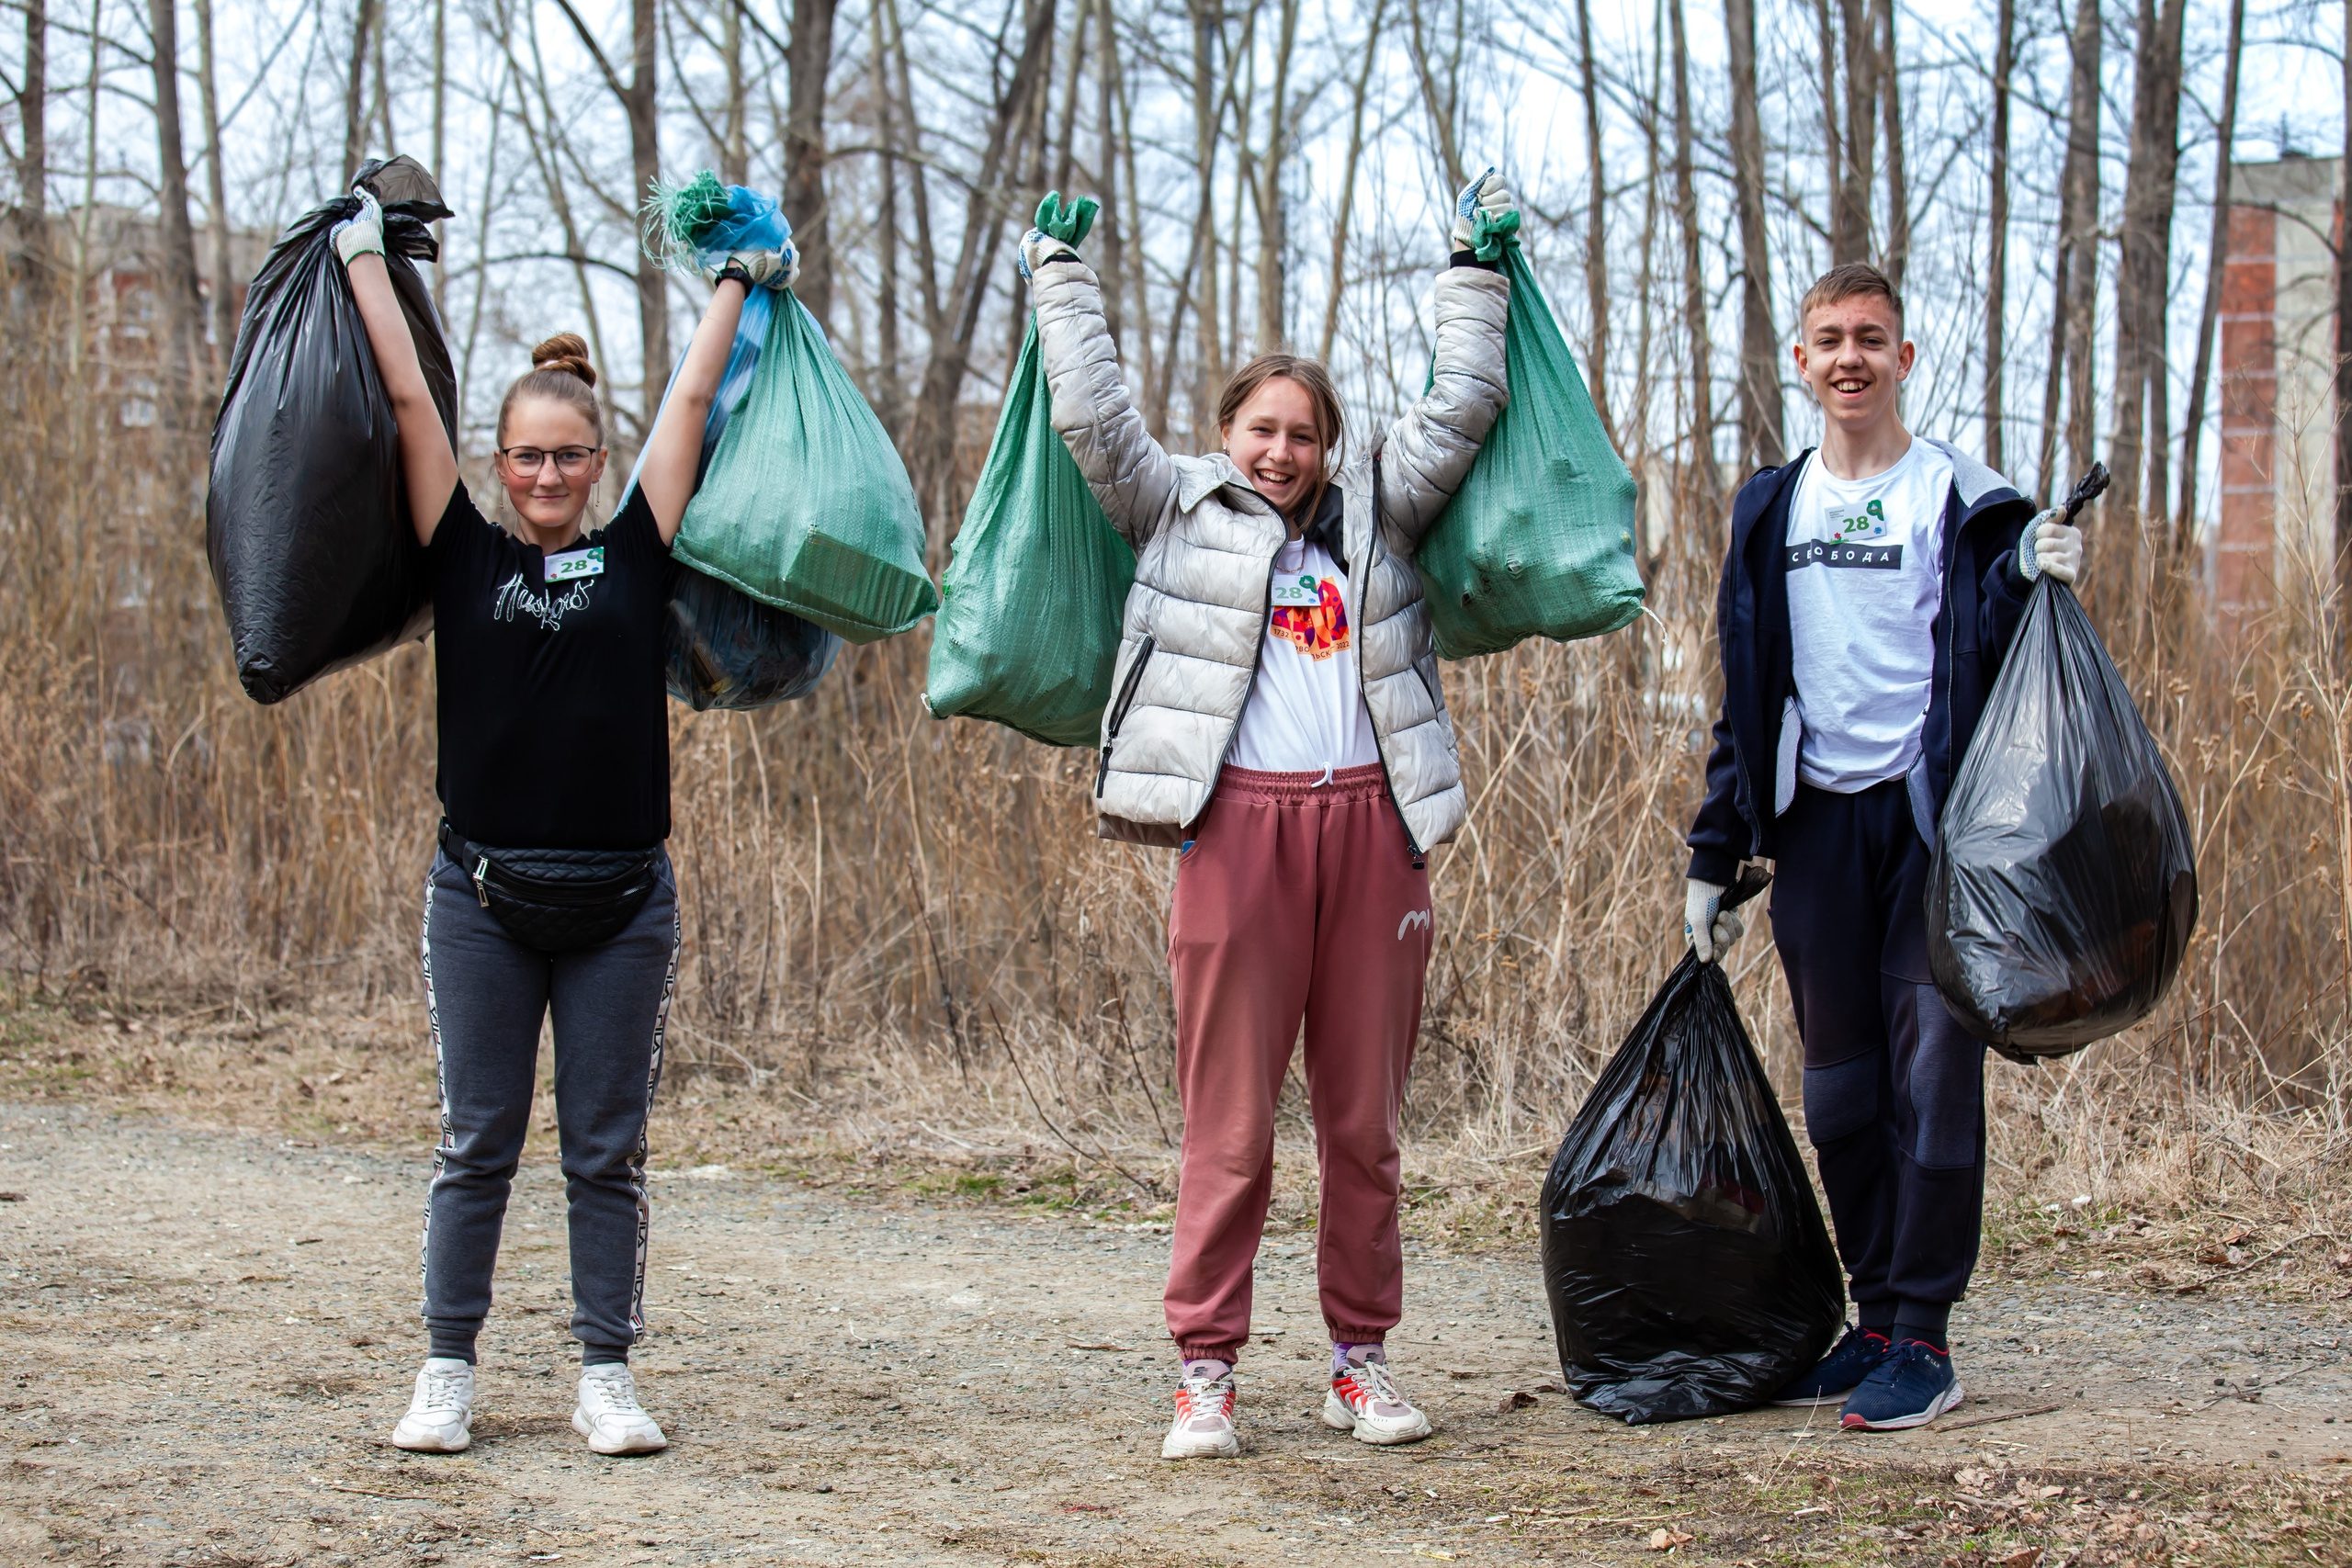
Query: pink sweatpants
(1294, 902)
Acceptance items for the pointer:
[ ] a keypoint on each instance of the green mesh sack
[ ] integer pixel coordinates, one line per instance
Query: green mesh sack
(806, 505)
(1539, 540)
(1029, 625)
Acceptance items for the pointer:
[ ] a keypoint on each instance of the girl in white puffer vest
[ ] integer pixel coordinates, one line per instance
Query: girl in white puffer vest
(1276, 716)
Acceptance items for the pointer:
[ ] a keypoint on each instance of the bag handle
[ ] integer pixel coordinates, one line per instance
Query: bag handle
(2089, 488)
(1752, 879)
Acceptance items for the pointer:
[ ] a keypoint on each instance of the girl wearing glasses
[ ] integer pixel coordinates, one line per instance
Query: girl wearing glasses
(551, 891)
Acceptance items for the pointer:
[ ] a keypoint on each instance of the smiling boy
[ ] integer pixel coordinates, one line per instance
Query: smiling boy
(1870, 592)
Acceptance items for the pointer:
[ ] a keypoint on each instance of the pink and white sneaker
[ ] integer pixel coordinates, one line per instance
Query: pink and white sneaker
(1364, 1400)
(1204, 1425)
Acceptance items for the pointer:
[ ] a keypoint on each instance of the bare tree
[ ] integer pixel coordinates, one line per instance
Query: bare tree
(1861, 36)
(637, 98)
(1272, 332)
(1996, 223)
(2143, 273)
(355, 93)
(1207, 119)
(175, 276)
(1596, 214)
(2075, 289)
(1898, 180)
(1759, 351)
(1705, 485)
(1844, 246)
(216, 190)
(32, 151)
(2343, 338)
(807, 69)
(2216, 251)
(1359, 89)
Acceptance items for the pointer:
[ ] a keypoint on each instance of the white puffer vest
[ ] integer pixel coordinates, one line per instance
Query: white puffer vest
(1205, 548)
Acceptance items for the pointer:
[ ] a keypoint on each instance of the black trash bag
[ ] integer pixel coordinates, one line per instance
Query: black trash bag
(1684, 1255)
(2063, 887)
(723, 648)
(307, 520)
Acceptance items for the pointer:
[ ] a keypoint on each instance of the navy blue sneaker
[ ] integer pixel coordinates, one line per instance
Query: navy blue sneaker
(1838, 1373)
(1910, 1388)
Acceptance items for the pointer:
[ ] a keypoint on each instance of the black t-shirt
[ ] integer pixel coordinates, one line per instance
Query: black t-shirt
(554, 732)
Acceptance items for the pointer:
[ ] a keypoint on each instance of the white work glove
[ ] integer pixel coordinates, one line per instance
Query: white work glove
(362, 233)
(1486, 194)
(760, 269)
(2051, 544)
(1037, 248)
(1711, 928)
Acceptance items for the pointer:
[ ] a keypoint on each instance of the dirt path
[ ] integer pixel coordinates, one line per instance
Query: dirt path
(211, 1335)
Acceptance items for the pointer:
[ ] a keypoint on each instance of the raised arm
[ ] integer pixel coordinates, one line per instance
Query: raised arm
(1429, 450)
(1128, 471)
(428, 465)
(674, 451)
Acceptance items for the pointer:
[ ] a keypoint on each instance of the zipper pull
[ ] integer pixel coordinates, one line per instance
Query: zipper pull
(481, 871)
(1101, 771)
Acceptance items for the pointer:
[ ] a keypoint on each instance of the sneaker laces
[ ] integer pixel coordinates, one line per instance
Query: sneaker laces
(1204, 1403)
(616, 1387)
(442, 1391)
(1379, 1388)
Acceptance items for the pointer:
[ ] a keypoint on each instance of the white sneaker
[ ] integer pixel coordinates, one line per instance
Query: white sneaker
(441, 1412)
(1204, 1425)
(1363, 1399)
(608, 1415)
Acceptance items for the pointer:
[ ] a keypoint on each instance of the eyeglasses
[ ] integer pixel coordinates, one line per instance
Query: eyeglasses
(570, 462)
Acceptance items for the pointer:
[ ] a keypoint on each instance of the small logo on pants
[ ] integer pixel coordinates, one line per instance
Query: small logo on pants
(1413, 918)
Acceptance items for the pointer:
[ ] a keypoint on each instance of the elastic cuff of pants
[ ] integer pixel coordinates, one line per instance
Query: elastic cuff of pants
(1228, 1352)
(1878, 1316)
(457, 1343)
(603, 1354)
(1358, 1333)
(1930, 1320)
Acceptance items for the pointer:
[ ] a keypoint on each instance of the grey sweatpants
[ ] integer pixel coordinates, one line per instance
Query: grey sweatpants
(487, 994)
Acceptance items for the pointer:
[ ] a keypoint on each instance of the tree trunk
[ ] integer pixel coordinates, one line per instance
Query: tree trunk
(440, 136)
(1861, 114)
(1596, 233)
(2216, 251)
(2144, 271)
(175, 275)
(1842, 245)
(1439, 98)
(734, 155)
(645, 167)
(1206, 118)
(1996, 262)
(886, 390)
(807, 65)
(1898, 183)
(1272, 332)
(2081, 197)
(2344, 345)
(1110, 245)
(1705, 482)
(32, 155)
(1759, 356)
(354, 92)
(216, 187)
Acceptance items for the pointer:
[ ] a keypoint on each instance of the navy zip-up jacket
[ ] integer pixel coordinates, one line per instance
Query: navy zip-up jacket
(1984, 597)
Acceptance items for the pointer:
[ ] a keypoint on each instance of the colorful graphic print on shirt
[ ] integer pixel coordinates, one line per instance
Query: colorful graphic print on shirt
(1310, 616)
(1851, 535)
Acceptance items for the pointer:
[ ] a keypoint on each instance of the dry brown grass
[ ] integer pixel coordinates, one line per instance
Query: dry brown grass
(902, 938)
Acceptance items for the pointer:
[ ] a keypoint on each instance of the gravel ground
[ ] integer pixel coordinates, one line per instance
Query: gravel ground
(216, 1331)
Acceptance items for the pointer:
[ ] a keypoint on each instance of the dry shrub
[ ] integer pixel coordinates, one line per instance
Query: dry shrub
(895, 920)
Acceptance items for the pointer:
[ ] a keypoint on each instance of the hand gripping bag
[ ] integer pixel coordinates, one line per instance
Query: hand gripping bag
(1684, 1255)
(806, 505)
(1028, 627)
(722, 648)
(306, 521)
(2063, 886)
(1539, 540)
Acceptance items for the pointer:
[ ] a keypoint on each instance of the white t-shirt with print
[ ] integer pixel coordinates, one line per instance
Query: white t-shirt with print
(1305, 711)
(1865, 580)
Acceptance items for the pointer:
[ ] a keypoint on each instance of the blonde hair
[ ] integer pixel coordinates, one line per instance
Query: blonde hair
(559, 370)
(1313, 379)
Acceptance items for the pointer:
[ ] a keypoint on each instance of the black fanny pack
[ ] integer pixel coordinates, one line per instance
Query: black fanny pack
(556, 900)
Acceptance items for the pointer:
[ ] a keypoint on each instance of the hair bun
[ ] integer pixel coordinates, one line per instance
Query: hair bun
(567, 353)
